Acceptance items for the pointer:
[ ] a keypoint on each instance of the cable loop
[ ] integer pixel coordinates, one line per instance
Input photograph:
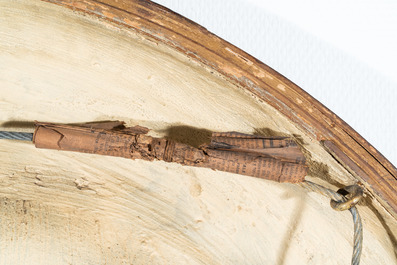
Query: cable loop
(353, 196)
(355, 193)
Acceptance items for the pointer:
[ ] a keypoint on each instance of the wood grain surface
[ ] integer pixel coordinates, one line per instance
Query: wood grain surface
(196, 42)
(141, 63)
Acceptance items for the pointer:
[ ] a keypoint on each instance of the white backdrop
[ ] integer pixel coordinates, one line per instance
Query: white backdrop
(344, 53)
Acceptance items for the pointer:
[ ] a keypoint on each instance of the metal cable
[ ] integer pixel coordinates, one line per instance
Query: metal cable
(358, 227)
(16, 136)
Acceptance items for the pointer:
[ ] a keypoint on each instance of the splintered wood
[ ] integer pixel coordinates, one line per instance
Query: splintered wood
(273, 158)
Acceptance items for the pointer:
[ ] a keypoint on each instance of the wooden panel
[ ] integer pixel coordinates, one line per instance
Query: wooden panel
(195, 41)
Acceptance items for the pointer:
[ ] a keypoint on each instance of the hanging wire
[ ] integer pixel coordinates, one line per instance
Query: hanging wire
(338, 201)
(358, 227)
(16, 136)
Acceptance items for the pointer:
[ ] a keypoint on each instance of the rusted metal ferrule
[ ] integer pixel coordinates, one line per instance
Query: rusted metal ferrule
(353, 196)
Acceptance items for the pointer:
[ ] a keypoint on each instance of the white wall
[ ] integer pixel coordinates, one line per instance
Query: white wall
(343, 53)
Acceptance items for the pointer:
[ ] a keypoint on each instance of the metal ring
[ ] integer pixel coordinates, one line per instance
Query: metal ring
(355, 193)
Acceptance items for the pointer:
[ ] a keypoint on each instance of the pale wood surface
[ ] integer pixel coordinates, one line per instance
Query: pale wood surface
(164, 26)
(67, 208)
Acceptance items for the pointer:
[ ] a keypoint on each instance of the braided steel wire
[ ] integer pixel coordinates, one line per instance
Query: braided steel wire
(16, 136)
(358, 227)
